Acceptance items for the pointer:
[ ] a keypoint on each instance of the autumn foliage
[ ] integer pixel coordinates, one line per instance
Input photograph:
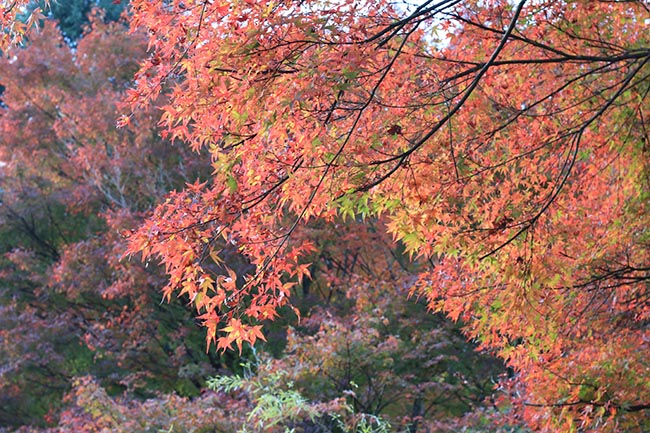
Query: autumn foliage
(510, 157)
(71, 185)
(501, 147)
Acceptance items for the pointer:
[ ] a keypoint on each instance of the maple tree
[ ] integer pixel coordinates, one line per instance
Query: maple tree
(71, 184)
(503, 143)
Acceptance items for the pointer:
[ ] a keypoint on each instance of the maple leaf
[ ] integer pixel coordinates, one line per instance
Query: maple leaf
(239, 333)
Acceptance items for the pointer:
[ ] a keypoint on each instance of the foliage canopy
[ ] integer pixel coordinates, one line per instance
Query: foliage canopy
(510, 160)
(503, 144)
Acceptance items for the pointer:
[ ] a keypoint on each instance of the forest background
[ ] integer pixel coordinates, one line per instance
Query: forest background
(426, 218)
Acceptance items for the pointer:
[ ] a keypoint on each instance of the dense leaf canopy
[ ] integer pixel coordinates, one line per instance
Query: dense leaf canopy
(502, 146)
